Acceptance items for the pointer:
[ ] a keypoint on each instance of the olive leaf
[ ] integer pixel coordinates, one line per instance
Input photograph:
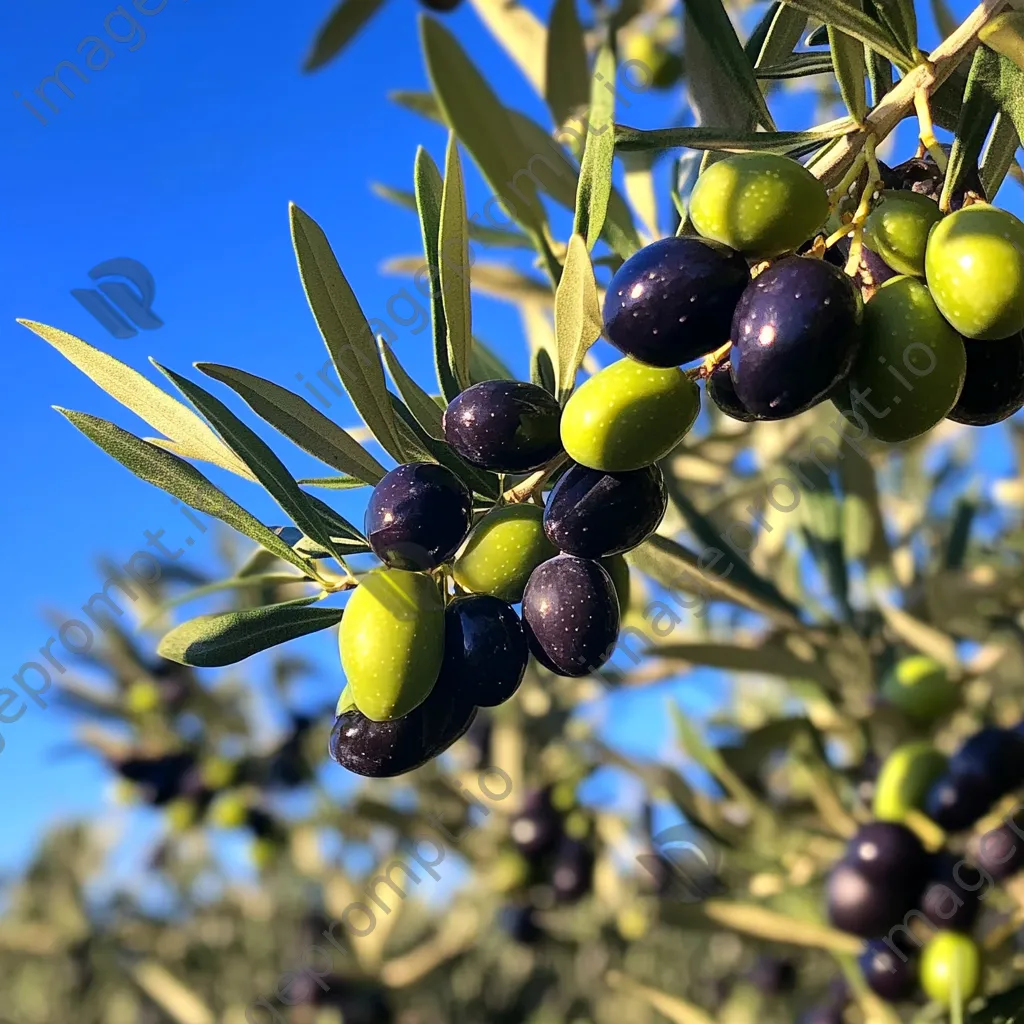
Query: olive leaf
(976, 118)
(1005, 1008)
(732, 71)
(210, 641)
(578, 321)
(847, 16)
(338, 31)
(256, 454)
(344, 328)
(136, 392)
(900, 18)
(542, 370)
(850, 69)
(799, 65)
(944, 17)
(427, 412)
(998, 156)
(429, 188)
(453, 254)
(300, 422)
(782, 28)
(656, 140)
(332, 483)
(485, 364)
(595, 183)
(175, 998)
(175, 476)
(567, 78)
(1005, 34)
(482, 123)
(673, 1008)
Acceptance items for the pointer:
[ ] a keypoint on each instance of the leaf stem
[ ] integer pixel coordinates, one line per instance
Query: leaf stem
(898, 103)
(927, 129)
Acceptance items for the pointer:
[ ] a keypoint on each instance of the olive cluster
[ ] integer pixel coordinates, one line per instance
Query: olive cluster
(433, 635)
(888, 885)
(938, 336)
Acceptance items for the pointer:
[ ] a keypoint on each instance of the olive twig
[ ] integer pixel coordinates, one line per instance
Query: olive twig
(527, 488)
(926, 129)
(841, 190)
(863, 209)
(713, 359)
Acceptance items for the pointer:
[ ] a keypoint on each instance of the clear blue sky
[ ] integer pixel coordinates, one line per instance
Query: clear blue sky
(182, 154)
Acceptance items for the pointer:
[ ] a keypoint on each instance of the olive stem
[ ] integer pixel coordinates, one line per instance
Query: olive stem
(527, 488)
(863, 208)
(841, 190)
(926, 129)
(899, 102)
(840, 234)
(713, 359)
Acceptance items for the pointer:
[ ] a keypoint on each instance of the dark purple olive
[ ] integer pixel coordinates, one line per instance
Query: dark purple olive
(956, 802)
(507, 426)
(571, 615)
(485, 650)
(773, 975)
(872, 271)
(381, 750)
(993, 754)
(722, 392)
(673, 300)
(594, 514)
(952, 897)
(572, 871)
(418, 516)
(519, 924)
(890, 973)
(921, 174)
(859, 904)
(537, 827)
(795, 336)
(1000, 851)
(160, 779)
(994, 386)
(888, 852)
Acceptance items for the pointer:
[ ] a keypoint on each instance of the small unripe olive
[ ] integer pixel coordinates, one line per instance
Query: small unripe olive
(628, 415)
(392, 642)
(897, 229)
(904, 779)
(501, 552)
(950, 967)
(920, 687)
(760, 203)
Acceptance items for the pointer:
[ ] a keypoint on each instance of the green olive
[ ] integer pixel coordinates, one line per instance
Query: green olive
(392, 642)
(897, 229)
(920, 687)
(950, 967)
(142, 697)
(760, 203)
(910, 368)
(628, 415)
(904, 779)
(619, 572)
(660, 64)
(501, 552)
(975, 269)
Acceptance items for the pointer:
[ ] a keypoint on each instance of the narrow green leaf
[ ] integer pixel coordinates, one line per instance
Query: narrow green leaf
(819, 37)
(976, 117)
(880, 75)
(656, 140)
(211, 641)
(799, 65)
(1005, 34)
(421, 405)
(998, 156)
(453, 253)
(475, 479)
(784, 28)
(736, 74)
(344, 328)
(542, 370)
(183, 481)
(674, 1009)
(847, 16)
(256, 454)
(429, 188)
(333, 483)
(484, 364)
(136, 392)
(300, 422)
(944, 17)
(567, 78)
(595, 183)
(480, 120)
(338, 31)
(578, 321)
(900, 18)
(851, 69)
(752, 47)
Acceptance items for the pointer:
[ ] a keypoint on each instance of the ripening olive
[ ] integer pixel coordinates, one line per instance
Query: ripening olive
(759, 203)
(501, 552)
(920, 687)
(910, 368)
(975, 270)
(661, 65)
(897, 229)
(392, 642)
(905, 778)
(890, 973)
(950, 968)
(628, 415)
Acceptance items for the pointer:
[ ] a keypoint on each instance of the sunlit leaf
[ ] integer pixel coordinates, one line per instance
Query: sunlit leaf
(453, 256)
(595, 183)
(338, 31)
(567, 79)
(578, 320)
